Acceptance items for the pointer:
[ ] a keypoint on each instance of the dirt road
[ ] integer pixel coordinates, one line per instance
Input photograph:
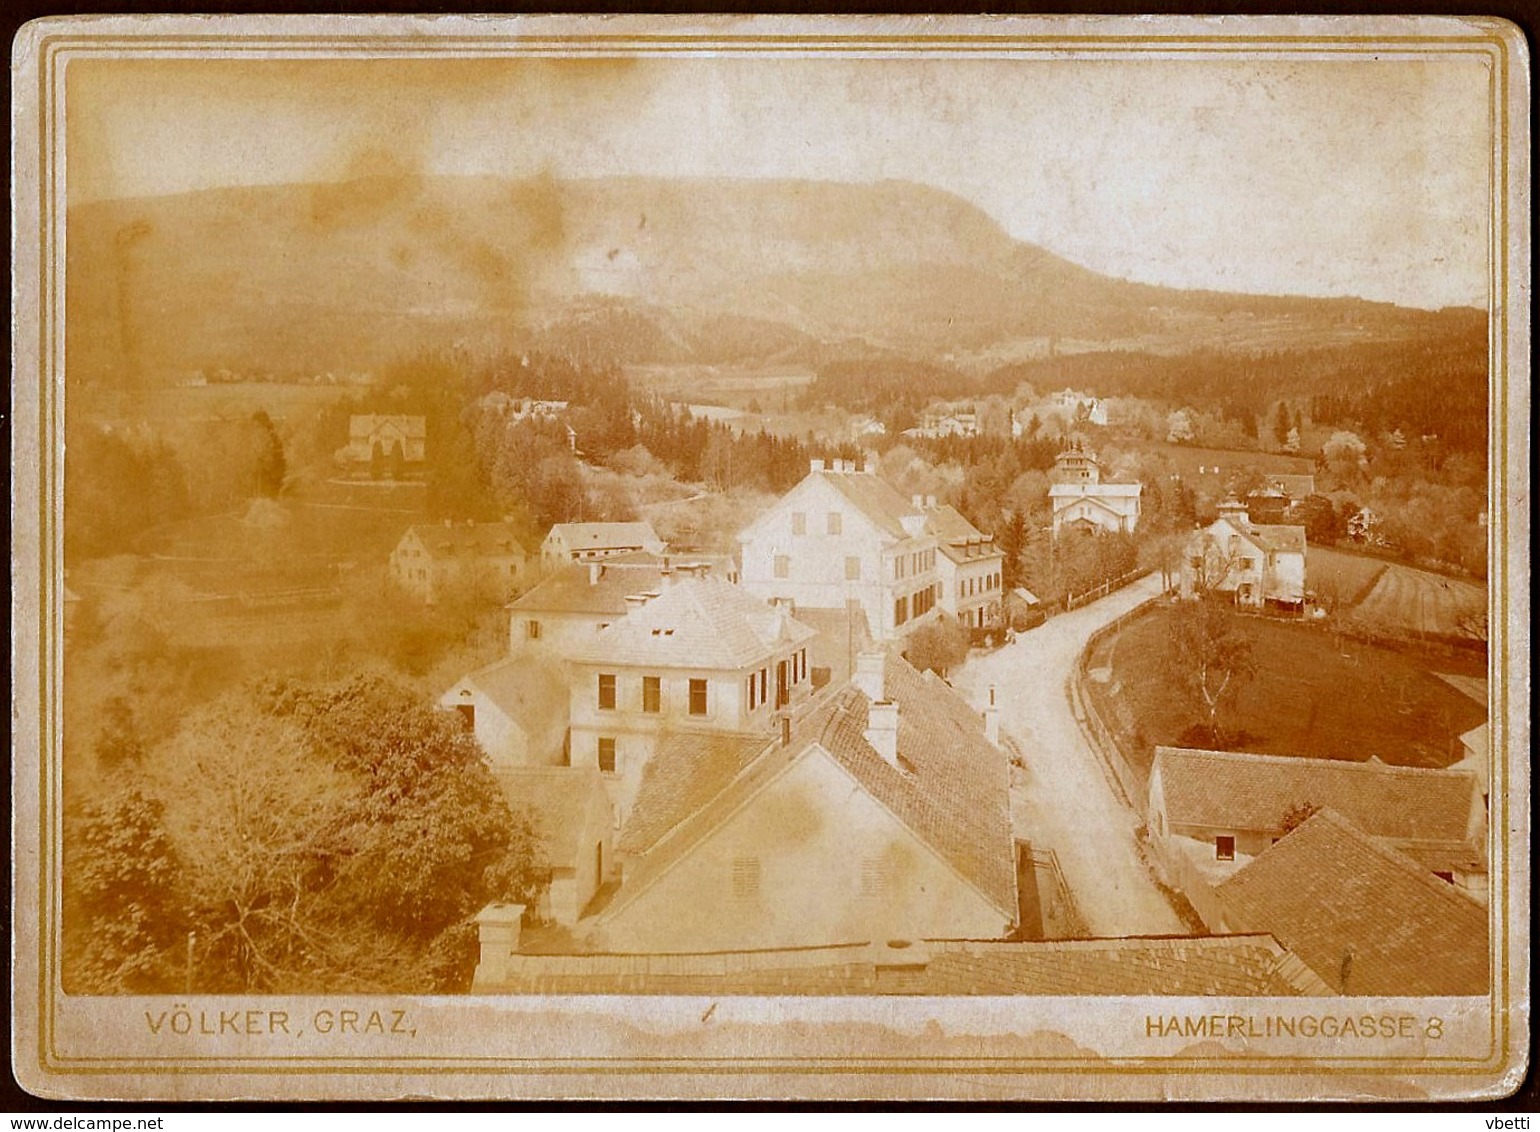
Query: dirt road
(1064, 801)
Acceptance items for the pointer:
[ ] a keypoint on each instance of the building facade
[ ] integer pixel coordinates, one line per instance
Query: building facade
(593, 542)
(1081, 501)
(1257, 565)
(432, 561)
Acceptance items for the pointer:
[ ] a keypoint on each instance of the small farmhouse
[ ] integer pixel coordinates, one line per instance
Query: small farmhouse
(1209, 813)
(1259, 566)
(697, 655)
(593, 542)
(434, 560)
(1367, 919)
(517, 709)
(392, 442)
(843, 537)
(1082, 502)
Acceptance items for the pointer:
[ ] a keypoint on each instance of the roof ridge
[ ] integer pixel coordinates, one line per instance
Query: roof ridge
(1394, 856)
(1369, 764)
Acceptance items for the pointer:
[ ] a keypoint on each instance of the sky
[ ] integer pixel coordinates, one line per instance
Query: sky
(1362, 176)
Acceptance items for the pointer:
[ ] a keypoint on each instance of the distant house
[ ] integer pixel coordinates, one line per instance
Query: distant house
(1080, 407)
(968, 568)
(432, 560)
(881, 813)
(1366, 918)
(389, 439)
(699, 655)
(1259, 565)
(1210, 813)
(574, 833)
(843, 536)
(592, 542)
(517, 709)
(1081, 501)
(570, 605)
(947, 420)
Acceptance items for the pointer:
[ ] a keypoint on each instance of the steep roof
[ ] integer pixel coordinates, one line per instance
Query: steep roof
(1293, 486)
(952, 791)
(686, 772)
(874, 497)
(557, 799)
(698, 623)
(954, 534)
(1092, 490)
(1367, 919)
(1231, 790)
(1215, 965)
(604, 536)
(366, 424)
(468, 540)
(1278, 538)
(596, 589)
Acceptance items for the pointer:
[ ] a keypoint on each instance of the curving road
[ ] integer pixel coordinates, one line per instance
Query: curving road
(1064, 800)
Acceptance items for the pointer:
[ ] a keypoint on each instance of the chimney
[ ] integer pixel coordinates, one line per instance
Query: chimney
(992, 719)
(497, 929)
(930, 501)
(816, 465)
(870, 466)
(868, 677)
(917, 502)
(882, 729)
(595, 572)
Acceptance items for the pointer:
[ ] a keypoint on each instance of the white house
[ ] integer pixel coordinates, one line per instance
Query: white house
(1081, 501)
(968, 567)
(843, 537)
(517, 709)
(592, 542)
(431, 560)
(701, 655)
(388, 437)
(1260, 565)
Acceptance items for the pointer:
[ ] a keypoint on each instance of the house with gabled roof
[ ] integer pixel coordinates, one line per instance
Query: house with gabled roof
(968, 568)
(1210, 813)
(1257, 565)
(1082, 502)
(844, 536)
(574, 602)
(386, 438)
(698, 655)
(517, 709)
(880, 812)
(1366, 918)
(434, 560)
(592, 542)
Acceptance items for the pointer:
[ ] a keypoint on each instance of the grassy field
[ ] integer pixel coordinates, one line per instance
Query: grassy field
(1311, 696)
(1339, 578)
(769, 388)
(208, 402)
(1186, 460)
(1391, 597)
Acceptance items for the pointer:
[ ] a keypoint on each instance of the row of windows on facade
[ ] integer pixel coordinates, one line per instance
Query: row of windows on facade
(967, 587)
(833, 523)
(917, 563)
(917, 604)
(652, 694)
(795, 669)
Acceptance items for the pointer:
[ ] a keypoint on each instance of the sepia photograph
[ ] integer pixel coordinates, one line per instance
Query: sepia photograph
(771, 558)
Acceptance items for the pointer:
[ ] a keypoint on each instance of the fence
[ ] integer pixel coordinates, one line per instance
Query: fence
(1129, 782)
(1061, 918)
(1075, 601)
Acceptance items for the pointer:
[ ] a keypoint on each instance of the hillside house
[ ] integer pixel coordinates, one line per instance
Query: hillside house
(698, 656)
(1210, 813)
(968, 567)
(594, 542)
(570, 814)
(880, 813)
(1261, 566)
(843, 537)
(1082, 502)
(1366, 918)
(575, 602)
(386, 441)
(1080, 408)
(433, 561)
(517, 709)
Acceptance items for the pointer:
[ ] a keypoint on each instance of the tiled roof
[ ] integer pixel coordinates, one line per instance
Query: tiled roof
(686, 772)
(1473, 687)
(599, 536)
(702, 623)
(1367, 919)
(952, 793)
(1293, 486)
(874, 497)
(532, 694)
(1231, 790)
(1225, 965)
(468, 540)
(953, 534)
(595, 589)
(365, 424)
(1284, 539)
(954, 789)
(557, 799)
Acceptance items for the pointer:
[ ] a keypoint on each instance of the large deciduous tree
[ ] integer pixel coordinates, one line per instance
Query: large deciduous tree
(1212, 659)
